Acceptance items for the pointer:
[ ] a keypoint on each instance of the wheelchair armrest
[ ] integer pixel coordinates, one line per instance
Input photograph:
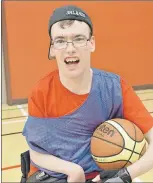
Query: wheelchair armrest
(25, 165)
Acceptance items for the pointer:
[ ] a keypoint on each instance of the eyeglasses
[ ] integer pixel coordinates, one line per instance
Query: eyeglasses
(77, 42)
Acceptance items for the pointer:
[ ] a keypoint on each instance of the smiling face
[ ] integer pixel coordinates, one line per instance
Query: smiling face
(73, 59)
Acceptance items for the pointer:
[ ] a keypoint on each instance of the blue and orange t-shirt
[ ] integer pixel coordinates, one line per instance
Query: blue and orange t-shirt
(51, 99)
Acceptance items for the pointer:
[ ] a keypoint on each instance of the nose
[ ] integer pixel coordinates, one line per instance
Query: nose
(70, 48)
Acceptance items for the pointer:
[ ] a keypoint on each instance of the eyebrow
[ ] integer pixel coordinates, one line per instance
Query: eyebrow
(61, 37)
(79, 35)
(58, 37)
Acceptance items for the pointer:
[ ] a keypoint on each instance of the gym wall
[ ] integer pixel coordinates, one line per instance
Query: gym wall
(123, 32)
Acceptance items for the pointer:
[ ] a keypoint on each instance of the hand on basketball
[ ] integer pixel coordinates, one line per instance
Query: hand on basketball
(118, 176)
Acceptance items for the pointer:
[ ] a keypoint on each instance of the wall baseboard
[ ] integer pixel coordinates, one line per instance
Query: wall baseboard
(18, 101)
(143, 87)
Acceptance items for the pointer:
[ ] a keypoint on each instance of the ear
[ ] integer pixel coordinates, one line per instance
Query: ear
(92, 43)
(51, 54)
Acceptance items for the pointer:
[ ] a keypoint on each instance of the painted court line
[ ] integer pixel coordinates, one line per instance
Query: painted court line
(19, 121)
(25, 114)
(11, 122)
(137, 180)
(15, 133)
(22, 110)
(11, 167)
(14, 117)
(13, 109)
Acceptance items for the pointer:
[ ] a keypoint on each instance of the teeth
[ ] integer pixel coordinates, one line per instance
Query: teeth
(71, 60)
(67, 61)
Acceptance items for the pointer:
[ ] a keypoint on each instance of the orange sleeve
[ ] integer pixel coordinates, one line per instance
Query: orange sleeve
(134, 110)
(35, 103)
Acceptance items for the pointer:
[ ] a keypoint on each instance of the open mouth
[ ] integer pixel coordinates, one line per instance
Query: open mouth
(71, 61)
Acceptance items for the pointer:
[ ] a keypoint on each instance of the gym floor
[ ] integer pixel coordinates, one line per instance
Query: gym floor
(13, 143)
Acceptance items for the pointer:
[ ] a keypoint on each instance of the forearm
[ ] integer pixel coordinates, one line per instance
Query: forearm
(143, 165)
(52, 163)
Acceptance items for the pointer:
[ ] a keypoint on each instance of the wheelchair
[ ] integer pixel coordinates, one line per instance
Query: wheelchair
(38, 176)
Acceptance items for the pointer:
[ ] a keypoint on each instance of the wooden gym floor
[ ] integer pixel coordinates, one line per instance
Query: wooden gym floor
(13, 143)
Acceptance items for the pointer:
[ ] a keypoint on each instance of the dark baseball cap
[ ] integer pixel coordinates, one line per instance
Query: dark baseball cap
(69, 12)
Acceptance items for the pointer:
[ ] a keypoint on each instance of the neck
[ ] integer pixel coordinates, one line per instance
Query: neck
(79, 85)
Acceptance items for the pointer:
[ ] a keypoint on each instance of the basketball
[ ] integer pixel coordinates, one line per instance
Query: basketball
(117, 143)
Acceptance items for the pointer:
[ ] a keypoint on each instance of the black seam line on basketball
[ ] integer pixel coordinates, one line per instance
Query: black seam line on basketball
(114, 144)
(114, 161)
(126, 132)
(129, 136)
(118, 131)
(11, 133)
(133, 146)
(142, 150)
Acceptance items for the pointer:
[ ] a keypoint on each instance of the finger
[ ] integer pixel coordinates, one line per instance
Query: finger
(114, 180)
(96, 179)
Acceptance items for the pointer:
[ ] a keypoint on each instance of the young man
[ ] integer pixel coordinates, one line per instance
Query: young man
(68, 104)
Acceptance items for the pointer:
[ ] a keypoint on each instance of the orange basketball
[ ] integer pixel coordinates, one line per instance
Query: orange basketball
(117, 143)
